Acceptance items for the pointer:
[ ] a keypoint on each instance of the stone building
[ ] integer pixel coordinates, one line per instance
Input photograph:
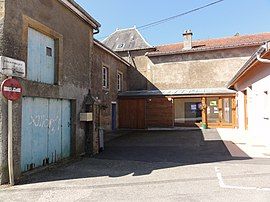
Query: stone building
(109, 78)
(63, 84)
(182, 84)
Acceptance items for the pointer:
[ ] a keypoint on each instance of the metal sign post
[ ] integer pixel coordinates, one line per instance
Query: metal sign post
(12, 91)
(10, 144)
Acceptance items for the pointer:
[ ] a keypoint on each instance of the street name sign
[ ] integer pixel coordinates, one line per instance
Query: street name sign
(12, 67)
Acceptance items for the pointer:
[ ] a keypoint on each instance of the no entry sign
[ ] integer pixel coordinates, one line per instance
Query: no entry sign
(11, 89)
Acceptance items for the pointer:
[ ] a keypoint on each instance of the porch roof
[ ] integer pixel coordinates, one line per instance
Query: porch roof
(177, 92)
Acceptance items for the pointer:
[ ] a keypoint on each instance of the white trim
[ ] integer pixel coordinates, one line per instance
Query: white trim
(121, 81)
(143, 38)
(107, 77)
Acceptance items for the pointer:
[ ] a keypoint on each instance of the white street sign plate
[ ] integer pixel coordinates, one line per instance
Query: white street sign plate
(12, 67)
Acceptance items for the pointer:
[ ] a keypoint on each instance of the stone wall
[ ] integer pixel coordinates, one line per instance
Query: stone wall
(74, 66)
(107, 96)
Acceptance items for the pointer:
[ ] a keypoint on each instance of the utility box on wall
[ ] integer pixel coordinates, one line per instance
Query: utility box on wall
(86, 116)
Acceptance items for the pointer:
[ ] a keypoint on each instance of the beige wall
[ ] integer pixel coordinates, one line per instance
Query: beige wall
(205, 69)
(2, 8)
(195, 74)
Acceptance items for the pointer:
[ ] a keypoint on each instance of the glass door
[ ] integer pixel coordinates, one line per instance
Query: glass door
(213, 111)
(220, 111)
(226, 112)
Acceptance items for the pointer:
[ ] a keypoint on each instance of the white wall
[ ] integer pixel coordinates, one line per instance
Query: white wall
(240, 110)
(259, 111)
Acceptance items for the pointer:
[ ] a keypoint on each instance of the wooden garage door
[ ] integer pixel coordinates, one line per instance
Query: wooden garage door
(132, 113)
(46, 131)
(159, 112)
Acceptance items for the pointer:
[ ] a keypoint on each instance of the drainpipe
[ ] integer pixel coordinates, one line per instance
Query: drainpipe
(258, 55)
(96, 32)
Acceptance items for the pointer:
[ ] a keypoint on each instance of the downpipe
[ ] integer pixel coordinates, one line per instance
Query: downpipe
(258, 55)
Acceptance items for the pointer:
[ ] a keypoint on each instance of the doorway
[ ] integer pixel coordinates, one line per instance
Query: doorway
(188, 112)
(113, 116)
(220, 111)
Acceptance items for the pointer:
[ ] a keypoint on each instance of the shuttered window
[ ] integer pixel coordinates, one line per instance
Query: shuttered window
(41, 57)
(105, 77)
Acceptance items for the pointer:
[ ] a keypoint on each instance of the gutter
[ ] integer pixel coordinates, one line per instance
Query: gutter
(254, 58)
(80, 12)
(195, 50)
(266, 47)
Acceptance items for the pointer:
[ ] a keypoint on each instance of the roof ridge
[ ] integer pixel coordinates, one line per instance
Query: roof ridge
(142, 37)
(226, 37)
(117, 30)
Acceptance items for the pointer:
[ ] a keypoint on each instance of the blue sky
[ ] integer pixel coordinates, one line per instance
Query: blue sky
(223, 19)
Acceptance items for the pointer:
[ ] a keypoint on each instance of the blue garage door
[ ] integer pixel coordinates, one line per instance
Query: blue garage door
(45, 131)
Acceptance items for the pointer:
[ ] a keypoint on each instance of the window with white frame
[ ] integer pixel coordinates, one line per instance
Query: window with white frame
(105, 77)
(119, 81)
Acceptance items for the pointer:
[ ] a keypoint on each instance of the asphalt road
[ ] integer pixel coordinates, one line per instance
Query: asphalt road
(153, 166)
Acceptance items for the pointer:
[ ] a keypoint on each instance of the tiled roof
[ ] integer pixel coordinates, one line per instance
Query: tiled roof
(177, 92)
(213, 44)
(126, 39)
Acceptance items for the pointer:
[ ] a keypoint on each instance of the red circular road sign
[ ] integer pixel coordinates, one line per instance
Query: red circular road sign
(11, 89)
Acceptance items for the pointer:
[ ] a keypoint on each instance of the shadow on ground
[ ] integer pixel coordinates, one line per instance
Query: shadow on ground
(141, 152)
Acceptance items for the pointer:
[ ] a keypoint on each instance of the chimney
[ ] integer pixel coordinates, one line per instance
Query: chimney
(187, 39)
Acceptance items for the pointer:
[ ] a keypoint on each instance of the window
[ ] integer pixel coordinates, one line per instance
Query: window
(105, 77)
(49, 51)
(40, 58)
(120, 45)
(120, 81)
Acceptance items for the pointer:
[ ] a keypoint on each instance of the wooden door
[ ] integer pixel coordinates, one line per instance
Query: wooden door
(132, 113)
(220, 112)
(46, 131)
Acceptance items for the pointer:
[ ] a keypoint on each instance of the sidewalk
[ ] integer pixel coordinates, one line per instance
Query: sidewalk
(245, 142)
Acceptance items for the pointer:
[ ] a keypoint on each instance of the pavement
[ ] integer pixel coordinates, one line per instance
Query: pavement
(191, 165)
(247, 142)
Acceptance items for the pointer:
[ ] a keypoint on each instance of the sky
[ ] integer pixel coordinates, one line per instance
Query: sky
(220, 20)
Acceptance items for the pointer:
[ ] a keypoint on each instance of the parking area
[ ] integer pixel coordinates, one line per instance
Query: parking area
(154, 165)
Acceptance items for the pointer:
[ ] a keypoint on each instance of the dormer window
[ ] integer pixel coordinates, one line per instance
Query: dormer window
(121, 45)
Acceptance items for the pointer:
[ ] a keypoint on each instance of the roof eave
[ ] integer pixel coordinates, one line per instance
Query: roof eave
(111, 52)
(157, 54)
(79, 11)
(245, 67)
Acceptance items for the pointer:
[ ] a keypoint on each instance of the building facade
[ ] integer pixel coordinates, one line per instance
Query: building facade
(55, 40)
(109, 78)
(252, 83)
(175, 72)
